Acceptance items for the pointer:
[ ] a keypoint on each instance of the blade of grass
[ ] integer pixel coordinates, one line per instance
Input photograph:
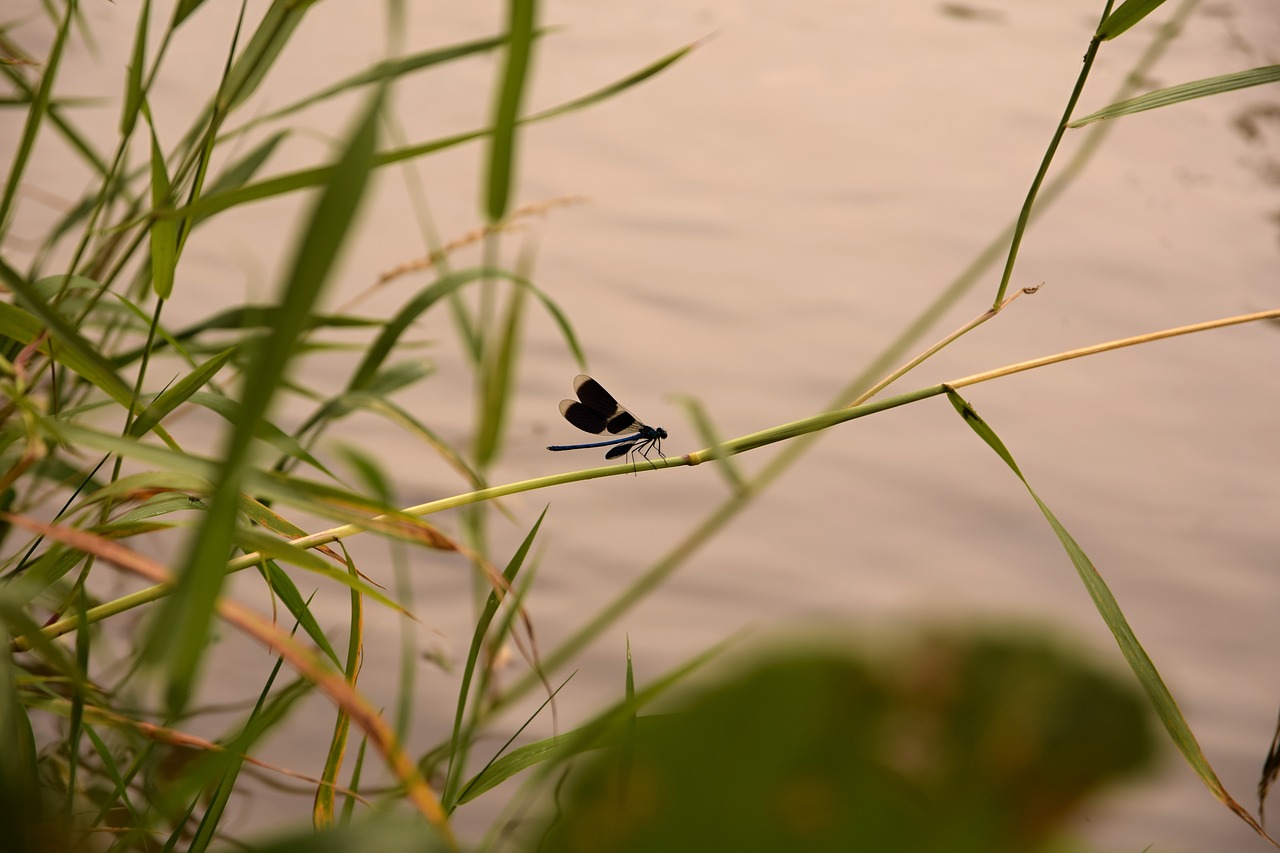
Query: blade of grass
(178, 393)
(458, 752)
(268, 712)
(1184, 92)
(1129, 13)
(303, 660)
(322, 811)
(176, 641)
(498, 374)
(1161, 699)
(321, 175)
(263, 49)
(133, 79)
(35, 118)
(506, 111)
(79, 354)
(387, 70)
(606, 729)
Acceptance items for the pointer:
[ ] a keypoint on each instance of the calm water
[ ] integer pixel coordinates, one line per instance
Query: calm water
(762, 220)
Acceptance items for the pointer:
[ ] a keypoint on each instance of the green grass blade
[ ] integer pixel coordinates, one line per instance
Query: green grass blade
(255, 540)
(459, 746)
(1161, 699)
(265, 430)
(35, 118)
(608, 728)
(322, 811)
(1129, 13)
(708, 433)
(76, 720)
(263, 49)
(133, 79)
(386, 71)
(615, 88)
(1184, 92)
(119, 782)
(178, 393)
(242, 171)
(506, 113)
(268, 712)
(178, 636)
(68, 347)
(183, 10)
(498, 376)
(283, 586)
(319, 176)
(19, 773)
(386, 341)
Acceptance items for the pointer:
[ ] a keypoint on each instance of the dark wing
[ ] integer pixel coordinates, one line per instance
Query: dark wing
(584, 418)
(598, 412)
(622, 449)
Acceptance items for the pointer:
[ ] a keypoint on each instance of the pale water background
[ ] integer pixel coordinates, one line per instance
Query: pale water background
(762, 220)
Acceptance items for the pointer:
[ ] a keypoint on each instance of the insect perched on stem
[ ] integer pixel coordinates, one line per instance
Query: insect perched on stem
(595, 411)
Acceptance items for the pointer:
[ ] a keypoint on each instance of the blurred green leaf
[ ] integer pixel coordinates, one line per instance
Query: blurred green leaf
(242, 170)
(133, 93)
(960, 745)
(506, 112)
(183, 10)
(178, 635)
(498, 375)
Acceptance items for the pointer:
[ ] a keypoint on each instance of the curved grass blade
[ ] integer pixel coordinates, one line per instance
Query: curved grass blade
(387, 70)
(320, 176)
(251, 541)
(1161, 699)
(1184, 92)
(302, 659)
(265, 430)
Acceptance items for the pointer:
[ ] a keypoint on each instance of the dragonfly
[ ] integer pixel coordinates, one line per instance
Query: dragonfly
(595, 411)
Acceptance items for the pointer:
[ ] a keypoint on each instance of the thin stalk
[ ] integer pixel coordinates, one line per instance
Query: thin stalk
(798, 430)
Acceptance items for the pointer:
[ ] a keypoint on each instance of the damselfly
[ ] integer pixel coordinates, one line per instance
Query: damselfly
(595, 411)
